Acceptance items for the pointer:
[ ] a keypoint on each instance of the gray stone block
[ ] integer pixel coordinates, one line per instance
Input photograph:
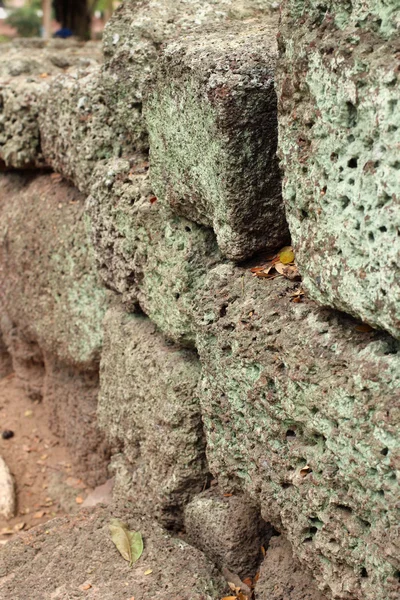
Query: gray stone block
(211, 115)
(26, 71)
(301, 411)
(149, 410)
(229, 530)
(49, 288)
(148, 255)
(339, 85)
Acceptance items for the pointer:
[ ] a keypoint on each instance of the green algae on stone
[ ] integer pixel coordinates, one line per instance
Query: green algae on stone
(301, 411)
(146, 253)
(211, 115)
(339, 139)
(49, 283)
(149, 409)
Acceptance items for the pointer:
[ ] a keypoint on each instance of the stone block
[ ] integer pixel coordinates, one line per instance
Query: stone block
(339, 84)
(49, 289)
(147, 254)
(26, 71)
(74, 557)
(283, 577)
(301, 411)
(211, 115)
(149, 410)
(229, 530)
(131, 44)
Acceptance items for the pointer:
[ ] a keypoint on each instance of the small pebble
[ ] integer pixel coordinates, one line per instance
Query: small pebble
(7, 434)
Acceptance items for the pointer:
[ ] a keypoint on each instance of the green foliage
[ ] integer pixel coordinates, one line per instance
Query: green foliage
(26, 21)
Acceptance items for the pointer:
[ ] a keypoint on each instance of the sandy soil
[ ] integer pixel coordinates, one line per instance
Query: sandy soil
(45, 483)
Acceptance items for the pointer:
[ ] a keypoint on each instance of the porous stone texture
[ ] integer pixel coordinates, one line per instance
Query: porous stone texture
(77, 126)
(149, 410)
(71, 396)
(282, 577)
(74, 557)
(228, 529)
(338, 85)
(131, 44)
(26, 71)
(211, 115)
(145, 252)
(301, 411)
(48, 282)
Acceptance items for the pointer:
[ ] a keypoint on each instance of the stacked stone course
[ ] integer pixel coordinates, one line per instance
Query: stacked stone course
(166, 181)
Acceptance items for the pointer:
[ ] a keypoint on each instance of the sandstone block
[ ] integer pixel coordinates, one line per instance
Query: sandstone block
(211, 115)
(229, 530)
(147, 254)
(338, 85)
(149, 410)
(301, 411)
(74, 557)
(26, 71)
(49, 289)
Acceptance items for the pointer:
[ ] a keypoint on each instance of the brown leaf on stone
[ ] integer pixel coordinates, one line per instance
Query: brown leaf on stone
(153, 199)
(229, 598)
(305, 471)
(364, 328)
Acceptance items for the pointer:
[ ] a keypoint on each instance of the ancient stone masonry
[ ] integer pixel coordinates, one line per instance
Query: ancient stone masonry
(225, 411)
(338, 90)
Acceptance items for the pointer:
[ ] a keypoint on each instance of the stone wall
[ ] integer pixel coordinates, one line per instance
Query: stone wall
(203, 367)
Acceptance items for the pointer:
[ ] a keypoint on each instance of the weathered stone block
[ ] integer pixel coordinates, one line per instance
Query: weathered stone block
(48, 282)
(150, 411)
(339, 86)
(146, 253)
(229, 530)
(76, 126)
(131, 44)
(25, 74)
(301, 411)
(283, 577)
(211, 115)
(57, 560)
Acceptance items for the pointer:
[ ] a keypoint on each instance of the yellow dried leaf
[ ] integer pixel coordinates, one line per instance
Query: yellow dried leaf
(305, 471)
(229, 598)
(286, 255)
(129, 543)
(148, 571)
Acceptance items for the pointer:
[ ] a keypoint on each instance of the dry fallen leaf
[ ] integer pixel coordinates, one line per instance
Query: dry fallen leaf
(286, 255)
(79, 500)
(363, 328)
(248, 581)
(39, 514)
(28, 413)
(305, 471)
(129, 543)
(148, 571)
(86, 586)
(229, 598)
(19, 526)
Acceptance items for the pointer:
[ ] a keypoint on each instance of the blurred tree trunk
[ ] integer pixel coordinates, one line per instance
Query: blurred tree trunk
(75, 15)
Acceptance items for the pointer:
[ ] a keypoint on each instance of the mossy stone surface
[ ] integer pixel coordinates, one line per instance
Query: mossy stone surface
(338, 84)
(149, 410)
(211, 115)
(50, 290)
(301, 411)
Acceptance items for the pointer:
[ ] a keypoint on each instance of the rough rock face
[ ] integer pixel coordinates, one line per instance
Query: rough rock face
(229, 530)
(132, 40)
(25, 73)
(211, 116)
(282, 577)
(302, 411)
(74, 557)
(48, 283)
(72, 399)
(339, 86)
(149, 409)
(5, 359)
(76, 126)
(145, 252)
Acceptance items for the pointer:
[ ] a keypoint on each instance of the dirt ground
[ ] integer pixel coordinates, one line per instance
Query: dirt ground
(45, 483)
